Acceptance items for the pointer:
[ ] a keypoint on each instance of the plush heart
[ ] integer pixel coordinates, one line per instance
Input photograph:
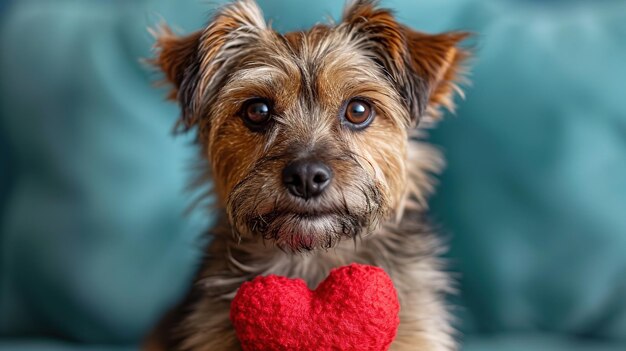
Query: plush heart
(355, 308)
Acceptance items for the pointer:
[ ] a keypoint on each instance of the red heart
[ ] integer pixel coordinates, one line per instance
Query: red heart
(355, 308)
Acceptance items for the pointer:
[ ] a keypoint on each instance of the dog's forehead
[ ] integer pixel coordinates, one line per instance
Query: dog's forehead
(307, 55)
(309, 75)
(325, 63)
(323, 48)
(316, 36)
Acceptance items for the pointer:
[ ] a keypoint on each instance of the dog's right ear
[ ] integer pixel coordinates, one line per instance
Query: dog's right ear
(177, 57)
(196, 65)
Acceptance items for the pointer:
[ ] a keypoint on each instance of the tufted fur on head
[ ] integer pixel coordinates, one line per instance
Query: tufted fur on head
(426, 67)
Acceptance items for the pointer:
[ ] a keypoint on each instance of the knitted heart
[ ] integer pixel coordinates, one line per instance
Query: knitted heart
(355, 308)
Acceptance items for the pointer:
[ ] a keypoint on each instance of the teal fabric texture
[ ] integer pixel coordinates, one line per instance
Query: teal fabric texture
(96, 235)
(95, 243)
(535, 194)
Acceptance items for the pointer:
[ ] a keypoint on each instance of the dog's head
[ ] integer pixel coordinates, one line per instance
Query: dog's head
(308, 133)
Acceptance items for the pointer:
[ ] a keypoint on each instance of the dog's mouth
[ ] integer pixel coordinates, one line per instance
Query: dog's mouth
(305, 231)
(270, 213)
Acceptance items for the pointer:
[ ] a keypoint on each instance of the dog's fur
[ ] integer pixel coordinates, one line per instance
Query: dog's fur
(373, 212)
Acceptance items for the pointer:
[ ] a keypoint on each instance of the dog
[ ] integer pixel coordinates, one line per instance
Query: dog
(316, 154)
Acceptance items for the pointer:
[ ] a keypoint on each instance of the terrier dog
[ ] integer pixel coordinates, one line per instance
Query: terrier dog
(316, 159)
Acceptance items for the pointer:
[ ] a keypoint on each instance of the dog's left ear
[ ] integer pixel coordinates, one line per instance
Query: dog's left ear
(426, 67)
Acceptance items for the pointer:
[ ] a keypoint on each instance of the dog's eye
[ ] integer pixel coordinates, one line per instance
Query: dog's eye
(256, 113)
(359, 113)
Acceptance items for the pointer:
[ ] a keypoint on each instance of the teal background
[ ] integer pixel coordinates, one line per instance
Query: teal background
(95, 243)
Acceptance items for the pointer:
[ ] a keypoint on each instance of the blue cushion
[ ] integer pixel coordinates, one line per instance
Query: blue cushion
(534, 194)
(54, 345)
(95, 242)
(542, 342)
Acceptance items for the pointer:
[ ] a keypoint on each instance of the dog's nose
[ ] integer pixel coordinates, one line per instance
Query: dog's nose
(307, 178)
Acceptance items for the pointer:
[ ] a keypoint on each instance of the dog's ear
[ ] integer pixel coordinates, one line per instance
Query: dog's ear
(438, 60)
(425, 67)
(197, 64)
(177, 57)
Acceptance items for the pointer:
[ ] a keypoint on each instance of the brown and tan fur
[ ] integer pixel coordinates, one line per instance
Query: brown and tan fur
(373, 212)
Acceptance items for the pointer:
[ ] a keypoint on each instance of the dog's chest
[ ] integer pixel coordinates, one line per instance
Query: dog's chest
(315, 267)
(231, 264)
